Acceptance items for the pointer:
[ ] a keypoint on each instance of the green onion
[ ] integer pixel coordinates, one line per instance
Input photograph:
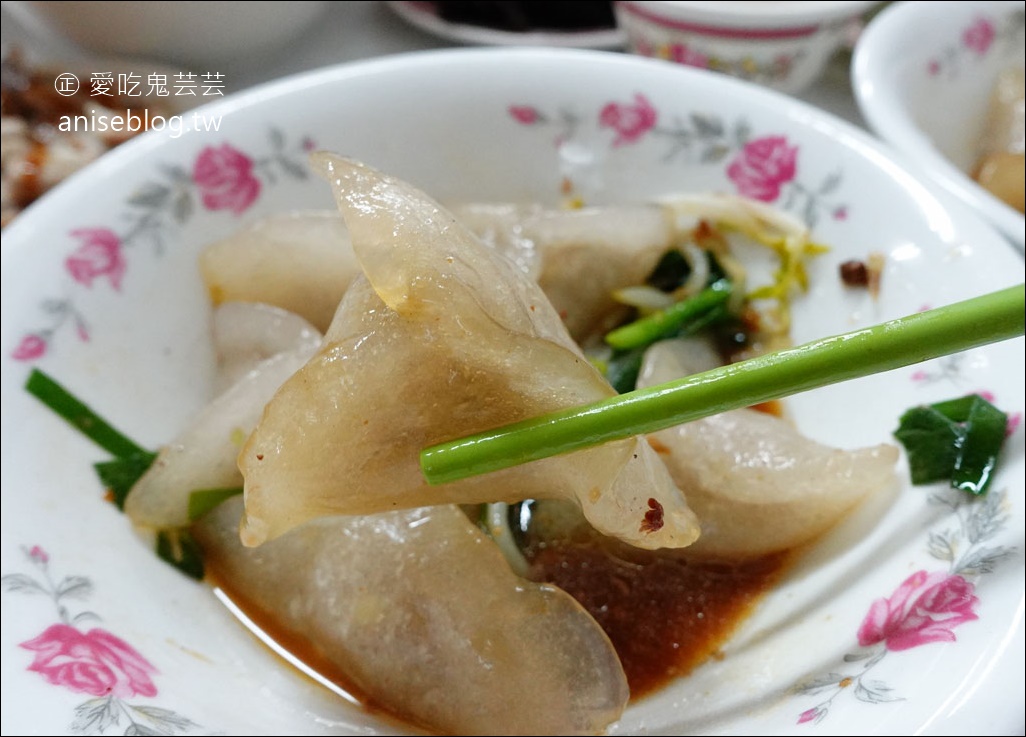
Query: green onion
(671, 271)
(80, 415)
(178, 548)
(130, 460)
(202, 501)
(661, 324)
(622, 369)
(121, 474)
(907, 340)
(624, 366)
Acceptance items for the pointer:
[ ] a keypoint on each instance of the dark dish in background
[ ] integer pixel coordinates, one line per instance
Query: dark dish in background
(510, 15)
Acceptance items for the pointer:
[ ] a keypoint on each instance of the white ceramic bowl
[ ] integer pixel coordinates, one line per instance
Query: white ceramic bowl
(184, 32)
(783, 45)
(100, 289)
(922, 75)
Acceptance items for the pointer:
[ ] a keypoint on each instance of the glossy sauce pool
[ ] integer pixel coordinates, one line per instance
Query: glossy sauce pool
(664, 616)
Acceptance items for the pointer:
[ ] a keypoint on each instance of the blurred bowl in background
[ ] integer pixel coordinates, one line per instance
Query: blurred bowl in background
(783, 45)
(186, 32)
(924, 75)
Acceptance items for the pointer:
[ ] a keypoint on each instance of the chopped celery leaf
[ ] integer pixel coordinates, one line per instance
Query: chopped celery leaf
(931, 441)
(956, 441)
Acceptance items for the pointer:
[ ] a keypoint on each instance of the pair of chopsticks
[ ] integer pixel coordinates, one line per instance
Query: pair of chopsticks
(905, 341)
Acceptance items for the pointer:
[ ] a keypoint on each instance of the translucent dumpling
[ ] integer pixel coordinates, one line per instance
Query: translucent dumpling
(757, 484)
(584, 255)
(424, 617)
(442, 337)
(248, 333)
(299, 261)
(258, 347)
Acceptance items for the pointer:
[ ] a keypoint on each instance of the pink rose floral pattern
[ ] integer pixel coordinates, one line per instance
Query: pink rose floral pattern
(928, 607)
(766, 167)
(763, 167)
(925, 608)
(223, 178)
(978, 37)
(93, 662)
(683, 54)
(31, 347)
(976, 41)
(765, 71)
(630, 120)
(525, 114)
(99, 255)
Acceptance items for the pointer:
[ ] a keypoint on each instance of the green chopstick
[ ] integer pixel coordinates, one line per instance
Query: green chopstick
(907, 340)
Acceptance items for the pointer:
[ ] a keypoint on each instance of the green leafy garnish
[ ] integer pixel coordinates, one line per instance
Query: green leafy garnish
(669, 322)
(679, 319)
(622, 369)
(956, 441)
(121, 473)
(180, 549)
(130, 460)
(671, 271)
(623, 366)
(202, 501)
(80, 415)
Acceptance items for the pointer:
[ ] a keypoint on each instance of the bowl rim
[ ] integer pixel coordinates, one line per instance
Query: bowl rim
(846, 132)
(883, 43)
(806, 14)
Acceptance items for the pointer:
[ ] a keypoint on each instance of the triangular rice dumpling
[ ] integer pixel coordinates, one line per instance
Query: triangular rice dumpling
(441, 337)
(424, 617)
